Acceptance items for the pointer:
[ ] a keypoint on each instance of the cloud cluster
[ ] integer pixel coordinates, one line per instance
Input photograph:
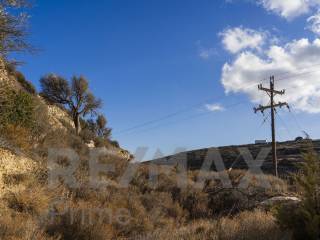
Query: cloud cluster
(288, 9)
(239, 38)
(314, 23)
(295, 64)
(206, 53)
(215, 107)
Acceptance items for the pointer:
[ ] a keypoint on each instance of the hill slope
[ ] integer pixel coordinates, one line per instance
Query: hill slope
(289, 156)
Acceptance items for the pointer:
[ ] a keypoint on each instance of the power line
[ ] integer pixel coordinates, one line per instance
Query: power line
(265, 120)
(297, 69)
(295, 119)
(165, 116)
(298, 75)
(284, 125)
(181, 120)
(255, 132)
(165, 124)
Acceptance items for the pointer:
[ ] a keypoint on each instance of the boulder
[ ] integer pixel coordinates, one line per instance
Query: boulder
(280, 200)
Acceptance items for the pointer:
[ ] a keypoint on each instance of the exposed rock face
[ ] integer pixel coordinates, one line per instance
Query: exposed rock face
(59, 118)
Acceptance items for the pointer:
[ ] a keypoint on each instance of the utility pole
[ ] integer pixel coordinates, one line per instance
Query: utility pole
(272, 92)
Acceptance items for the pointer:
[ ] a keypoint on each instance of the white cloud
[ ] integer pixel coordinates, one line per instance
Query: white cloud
(239, 38)
(215, 107)
(289, 9)
(206, 53)
(314, 23)
(303, 91)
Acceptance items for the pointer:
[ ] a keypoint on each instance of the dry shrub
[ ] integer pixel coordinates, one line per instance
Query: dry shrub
(18, 136)
(162, 210)
(14, 178)
(33, 200)
(41, 124)
(19, 226)
(117, 215)
(87, 136)
(196, 203)
(26, 193)
(246, 226)
(229, 201)
(251, 225)
(60, 138)
(76, 221)
(22, 211)
(276, 184)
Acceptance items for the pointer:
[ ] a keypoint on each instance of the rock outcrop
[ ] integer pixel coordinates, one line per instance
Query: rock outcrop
(59, 118)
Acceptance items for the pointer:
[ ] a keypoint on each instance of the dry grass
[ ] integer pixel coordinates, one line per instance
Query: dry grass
(17, 136)
(180, 213)
(245, 226)
(17, 226)
(33, 201)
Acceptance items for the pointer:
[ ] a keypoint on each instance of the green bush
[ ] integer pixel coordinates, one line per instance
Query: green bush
(21, 112)
(23, 118)
(304, 220)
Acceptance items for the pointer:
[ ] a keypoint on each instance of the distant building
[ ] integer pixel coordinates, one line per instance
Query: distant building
(260, 141)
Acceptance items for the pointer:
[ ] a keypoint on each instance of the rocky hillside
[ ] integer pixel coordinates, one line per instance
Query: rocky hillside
(289, 156)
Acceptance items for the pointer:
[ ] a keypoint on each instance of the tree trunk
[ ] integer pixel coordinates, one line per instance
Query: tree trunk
(76, 120)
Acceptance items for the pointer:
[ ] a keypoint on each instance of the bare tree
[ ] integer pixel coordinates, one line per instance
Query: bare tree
(13, 26)
(75, 96)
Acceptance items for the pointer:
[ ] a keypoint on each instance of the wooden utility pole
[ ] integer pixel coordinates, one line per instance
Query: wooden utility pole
(272, 92)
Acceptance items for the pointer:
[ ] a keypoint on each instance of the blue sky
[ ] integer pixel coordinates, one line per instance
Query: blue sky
(148, 59)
